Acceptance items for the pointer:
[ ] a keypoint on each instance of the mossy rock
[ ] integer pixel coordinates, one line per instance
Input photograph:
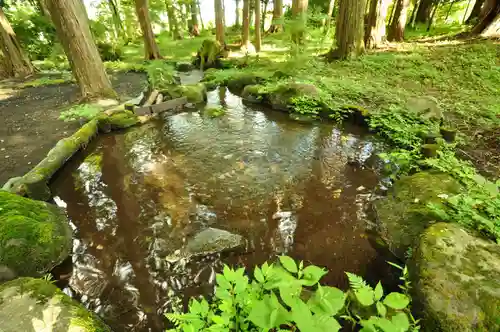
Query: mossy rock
(281, 97)
(209, 54)
(195, 93)
(214, 112)
(117, 120)
(34, 236)
(403, 215)
(184, 66)
(36, 305)
(254, 94)
(456, 280)
(303, 118)
(357, 114)
(238, 83)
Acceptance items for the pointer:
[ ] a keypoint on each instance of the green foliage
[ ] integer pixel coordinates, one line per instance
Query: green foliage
(161, 74)
(44, 81)
(287, 296)
(80, 112)
(214, 112)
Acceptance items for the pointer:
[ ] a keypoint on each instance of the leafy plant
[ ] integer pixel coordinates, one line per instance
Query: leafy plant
(160, 74)
(80, 112)
(288, 296)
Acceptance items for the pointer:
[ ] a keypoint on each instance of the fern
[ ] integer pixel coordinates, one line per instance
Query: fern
(356, 282)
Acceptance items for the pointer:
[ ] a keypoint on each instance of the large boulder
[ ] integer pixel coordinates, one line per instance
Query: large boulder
(195, 93)
(254, 93)
(237, 83)
(403, 215)
(34, 236)
(281, 98)
(209, 54)
(36, 305)
(457, 280)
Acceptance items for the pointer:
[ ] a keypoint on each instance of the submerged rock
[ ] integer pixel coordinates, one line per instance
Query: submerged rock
(195, 93)
(28, 304)
(403, 215)
(281, 97)
(253, 93)
(457, 280)
(34, 236)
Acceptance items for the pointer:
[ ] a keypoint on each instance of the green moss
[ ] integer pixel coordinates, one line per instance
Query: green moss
(237, 83)
(34, 236)
(254, 93)
(195, 93)
(210, 51)
(282, 96)
(214, 112)
(118, 120)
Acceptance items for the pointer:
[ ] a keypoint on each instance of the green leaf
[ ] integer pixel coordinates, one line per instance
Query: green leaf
(326, 323)
(327, 300)
(288, 263)
(364, 296)
(401, 322)
(379, 292)
(396, 301)
(312, 274)
(258, 275)
(260, 314)
(290, 293)
(303, 317)
(381, 309)
(222, 282)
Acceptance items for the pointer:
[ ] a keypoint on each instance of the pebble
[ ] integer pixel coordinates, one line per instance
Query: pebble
(360, 188)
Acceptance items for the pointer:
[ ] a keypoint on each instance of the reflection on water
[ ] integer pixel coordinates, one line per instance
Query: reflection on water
(136, 197)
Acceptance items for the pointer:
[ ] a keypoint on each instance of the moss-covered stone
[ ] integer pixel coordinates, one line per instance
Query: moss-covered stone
(209, 54)
(34, 236)
(237, 83)
(456, 280)
(281, 97)
(184, 66)
(28, 304)
(403, 215)
(254, 93)
(214, 112)
(117, 120)
(195, 93)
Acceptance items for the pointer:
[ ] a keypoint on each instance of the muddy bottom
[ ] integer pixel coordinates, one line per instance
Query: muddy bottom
(136, 197)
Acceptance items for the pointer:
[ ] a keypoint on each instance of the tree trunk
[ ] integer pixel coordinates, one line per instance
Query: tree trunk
(257, 26)
(489, 23)
(43, 8)
(151, 50)
(466, 10)
(432, 15)
(245, 33)
(195, 29)
(349, 30)
(251, 14)
(277, 25)
(328, 21)
(263, 21)
(173, 23)
(411, 22)
(424, 11)
(476, 10)
(299, 14)
(187, 17)
(219, 21)
(72, 27)
(449, 11)
(375, 25)
(237, 12)
(117, 21)
(15, 63)
(199, 13)
(397, 27)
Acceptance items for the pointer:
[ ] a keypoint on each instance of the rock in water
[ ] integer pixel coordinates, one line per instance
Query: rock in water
(35, 305)
(213, 240)
(457, 280)
(34, 236)
(403, 215)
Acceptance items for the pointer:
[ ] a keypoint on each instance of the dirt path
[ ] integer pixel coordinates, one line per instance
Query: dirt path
(30, 120)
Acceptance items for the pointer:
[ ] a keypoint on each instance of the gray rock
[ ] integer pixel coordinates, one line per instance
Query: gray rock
(213, 240)
(457, 280)
(36, 305)
(184, 66)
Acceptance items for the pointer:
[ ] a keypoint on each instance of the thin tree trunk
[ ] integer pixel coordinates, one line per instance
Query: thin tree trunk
(245, 33)
(173, 23)
(424, 11)
(466, 10)
(263, 21)
(277, 25)
(328, 21)
(151, 50)
(349, 30)
(375, 27)
(15, 62)
(488, 24)
(411, 22)
(391, 17)
(257, 26)
(195, 29)
(237, 12)
(432, 15)
(117, 22)
(397, 28)
(476, 10)
(299, 14)
(449, 11)
(251, 15)
(43, 8)
(187, 17)
(72, 27)
(199, 13)
(219, 21)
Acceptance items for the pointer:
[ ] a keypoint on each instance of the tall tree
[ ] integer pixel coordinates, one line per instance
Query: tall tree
(257, 26)
(117, 21)
(15, 63)
(476, 10)
(237, 12)
(277, 25)
(245, 33)
(264, 13)
(375, 23)
(424, 11)
(349, 30)
(299, 14)
(151, 50)
(72, 27)
(173, 23)
(411, 21)
(397, 27)
(195, 29)
(328, 20)
(199, 13)
(431, 19)
(489, 20)
(219, 21)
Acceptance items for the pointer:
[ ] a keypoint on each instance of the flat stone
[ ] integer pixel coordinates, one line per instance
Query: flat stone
(213, 240)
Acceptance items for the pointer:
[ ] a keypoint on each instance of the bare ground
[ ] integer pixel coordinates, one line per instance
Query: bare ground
(30, 120)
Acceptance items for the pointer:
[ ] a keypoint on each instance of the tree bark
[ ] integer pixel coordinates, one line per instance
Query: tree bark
(299, 14)
(72, 27)
(397, 27)
(245, 33)
(219, 21)
(237, 12)
(173, 23)
(199, 13)
(476, 10)
(257, 26)
(489, 22)
(195, 29)
(277, 25)
(328, 21)
(117, 22)
(349, 30)
(264, 12)
(375, 25)
(15, 62)
(151, 50)
(434, 10)
(424, 11)
(411, 22)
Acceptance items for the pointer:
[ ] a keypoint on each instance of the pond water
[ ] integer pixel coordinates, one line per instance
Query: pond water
(135, 197)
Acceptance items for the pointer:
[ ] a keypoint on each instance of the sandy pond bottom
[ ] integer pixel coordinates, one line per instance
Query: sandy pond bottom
(136, 196)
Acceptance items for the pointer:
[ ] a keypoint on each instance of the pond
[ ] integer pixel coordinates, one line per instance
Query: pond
(134, 198)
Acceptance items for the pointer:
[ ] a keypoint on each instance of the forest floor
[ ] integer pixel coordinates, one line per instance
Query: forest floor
(30, 114)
